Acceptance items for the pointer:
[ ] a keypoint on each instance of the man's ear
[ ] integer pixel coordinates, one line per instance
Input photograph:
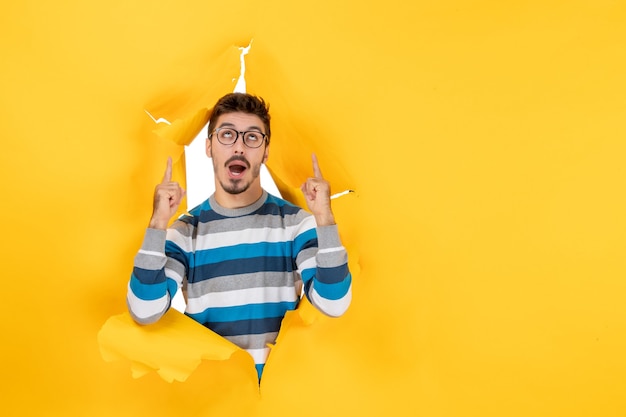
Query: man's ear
(267, 153)
(208, 148)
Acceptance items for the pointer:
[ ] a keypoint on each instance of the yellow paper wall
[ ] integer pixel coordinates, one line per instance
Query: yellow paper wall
(485, 142)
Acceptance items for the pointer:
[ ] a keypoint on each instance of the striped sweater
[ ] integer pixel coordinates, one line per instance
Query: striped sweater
(241, 270)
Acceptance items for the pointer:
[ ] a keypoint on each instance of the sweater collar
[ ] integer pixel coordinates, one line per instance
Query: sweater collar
(237, 212)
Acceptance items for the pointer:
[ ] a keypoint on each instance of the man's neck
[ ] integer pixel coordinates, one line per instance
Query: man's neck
(235, 201)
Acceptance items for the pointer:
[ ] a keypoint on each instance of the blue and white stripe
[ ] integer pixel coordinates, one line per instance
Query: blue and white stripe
(241, 270)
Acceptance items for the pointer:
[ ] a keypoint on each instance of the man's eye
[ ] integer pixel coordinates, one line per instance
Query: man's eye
(252, 136)
(227, 134)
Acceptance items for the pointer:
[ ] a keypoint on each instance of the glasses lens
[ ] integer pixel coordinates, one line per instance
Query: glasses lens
(253, 139)
(226, 136)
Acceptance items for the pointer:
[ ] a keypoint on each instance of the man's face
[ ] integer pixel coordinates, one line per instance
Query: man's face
(237, 167)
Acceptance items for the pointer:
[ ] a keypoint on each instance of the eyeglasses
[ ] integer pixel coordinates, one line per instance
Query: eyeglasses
(251, 138)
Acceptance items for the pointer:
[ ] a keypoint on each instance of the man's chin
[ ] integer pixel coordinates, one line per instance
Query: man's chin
(235, 187)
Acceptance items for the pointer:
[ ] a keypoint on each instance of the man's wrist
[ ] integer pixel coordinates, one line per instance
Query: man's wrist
(158, 224)
(325, 219)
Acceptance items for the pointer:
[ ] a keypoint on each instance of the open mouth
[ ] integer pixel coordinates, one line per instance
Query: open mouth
(237, 167)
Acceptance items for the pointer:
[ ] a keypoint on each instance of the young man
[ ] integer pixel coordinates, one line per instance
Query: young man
(243, 257)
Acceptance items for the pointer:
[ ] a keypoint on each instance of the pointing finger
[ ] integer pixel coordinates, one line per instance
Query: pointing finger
(317, 173)
(167, 177)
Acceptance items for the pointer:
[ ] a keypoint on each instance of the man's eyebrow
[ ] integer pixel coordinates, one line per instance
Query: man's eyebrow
(231, 125)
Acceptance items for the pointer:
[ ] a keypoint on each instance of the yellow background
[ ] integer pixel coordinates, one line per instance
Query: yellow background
(485, 141)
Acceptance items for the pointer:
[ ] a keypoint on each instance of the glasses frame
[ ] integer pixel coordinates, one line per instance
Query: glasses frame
(242, 134)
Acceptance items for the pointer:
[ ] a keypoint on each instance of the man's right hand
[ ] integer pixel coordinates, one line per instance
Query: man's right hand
(167, 197)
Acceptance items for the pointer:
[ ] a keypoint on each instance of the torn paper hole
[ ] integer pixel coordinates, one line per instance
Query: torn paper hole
(341, 194)
(240, 87)
(159, 120)
(199, 168)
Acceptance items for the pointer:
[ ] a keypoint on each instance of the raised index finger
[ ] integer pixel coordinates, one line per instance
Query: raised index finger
(317, 173)
(167, 177)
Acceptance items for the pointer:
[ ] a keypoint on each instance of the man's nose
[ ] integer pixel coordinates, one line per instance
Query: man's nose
(238, 146)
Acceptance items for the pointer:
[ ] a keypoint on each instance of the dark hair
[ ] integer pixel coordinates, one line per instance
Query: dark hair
(244, 103)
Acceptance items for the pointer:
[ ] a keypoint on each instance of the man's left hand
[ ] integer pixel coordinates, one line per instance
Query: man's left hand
(317, 194)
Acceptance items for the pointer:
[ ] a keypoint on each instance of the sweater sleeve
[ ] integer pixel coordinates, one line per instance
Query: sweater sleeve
(158, 272)
(325, 273)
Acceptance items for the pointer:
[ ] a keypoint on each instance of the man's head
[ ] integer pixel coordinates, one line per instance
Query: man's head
(243, 103)
(238, 143)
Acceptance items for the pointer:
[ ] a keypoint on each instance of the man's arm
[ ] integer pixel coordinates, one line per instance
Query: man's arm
(329, 285)
(156, 277)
